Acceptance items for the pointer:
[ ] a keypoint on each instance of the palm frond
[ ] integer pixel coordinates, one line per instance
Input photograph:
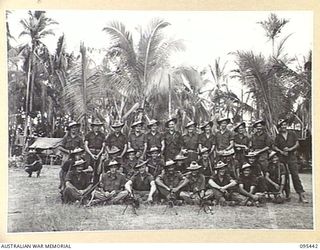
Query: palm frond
(121, 38)
(150, 40)
(280, 47)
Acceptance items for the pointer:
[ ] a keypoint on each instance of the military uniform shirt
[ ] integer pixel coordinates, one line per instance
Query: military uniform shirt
(155, 167)
(232, 166)
(207, 168)
(94, 140)
(118, 141)
(276, 171)
(128, 167)
(248, 181)
(223, 140)
(241, 139)
(79, 180)
(181, 168)
(196, 183)
(190, 142)
(70, 143)
(173, 144)
(226, 179)
(207, 142)
(137, 142)
(32, 157)
(281, 143)
(260, 141)
(256, 169)
(112, 182)
(154, 140)
(171, 181)
(141, 183)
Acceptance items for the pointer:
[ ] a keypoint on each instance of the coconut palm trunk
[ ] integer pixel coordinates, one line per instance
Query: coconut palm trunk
(84, 83)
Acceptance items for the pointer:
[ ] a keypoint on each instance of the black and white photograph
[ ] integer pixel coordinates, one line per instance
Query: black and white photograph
(156, 120)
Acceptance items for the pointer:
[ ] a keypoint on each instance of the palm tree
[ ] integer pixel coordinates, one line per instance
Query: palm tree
(36, 27)
(267, 90)
(273, 27)
(137, 66)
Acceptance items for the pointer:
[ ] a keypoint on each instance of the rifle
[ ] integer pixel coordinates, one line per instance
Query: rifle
(204, 201)
(171, 200)
(131, 200)
(89, 191)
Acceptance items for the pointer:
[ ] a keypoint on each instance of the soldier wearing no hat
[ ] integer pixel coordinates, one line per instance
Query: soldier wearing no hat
(111, 186)
(241, 142)
(261, 142)
(286, 144)
(142, 184)
(170, 182)
(172, 140)
(78, 181)
(155, 164)
(117, 138)
(137, 139)
(94, 144)
(223, 188)
(190, 142)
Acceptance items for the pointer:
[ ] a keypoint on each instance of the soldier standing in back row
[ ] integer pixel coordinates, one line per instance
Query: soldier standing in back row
(94, 144)
(154, 138)
(261, 143)
(117, 138)
(191, 142)
(137, 140)
(241, 142)
(286, 144)
(224, 137)
(207, 139)
(172, 140)
(70, 141)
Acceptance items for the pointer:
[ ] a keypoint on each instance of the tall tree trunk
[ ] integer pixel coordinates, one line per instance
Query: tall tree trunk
(169, 104)
(84, 83)
(27, 100)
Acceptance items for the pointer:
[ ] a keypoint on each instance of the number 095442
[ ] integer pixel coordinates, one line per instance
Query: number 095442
(308, 246)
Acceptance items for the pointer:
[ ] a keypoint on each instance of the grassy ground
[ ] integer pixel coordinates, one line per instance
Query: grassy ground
(35, 206)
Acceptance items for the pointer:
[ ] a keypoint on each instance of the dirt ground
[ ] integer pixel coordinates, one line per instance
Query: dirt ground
(34, 206)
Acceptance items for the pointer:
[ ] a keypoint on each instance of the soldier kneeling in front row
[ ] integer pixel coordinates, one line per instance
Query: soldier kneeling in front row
(223, 187)
(142, 185)
(277, 179)
(78, 182)
(171, 182)
(248, 188)
(196, 184)
(111, 186)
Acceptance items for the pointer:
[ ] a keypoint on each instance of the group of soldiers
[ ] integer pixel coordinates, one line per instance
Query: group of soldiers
(226, 167)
